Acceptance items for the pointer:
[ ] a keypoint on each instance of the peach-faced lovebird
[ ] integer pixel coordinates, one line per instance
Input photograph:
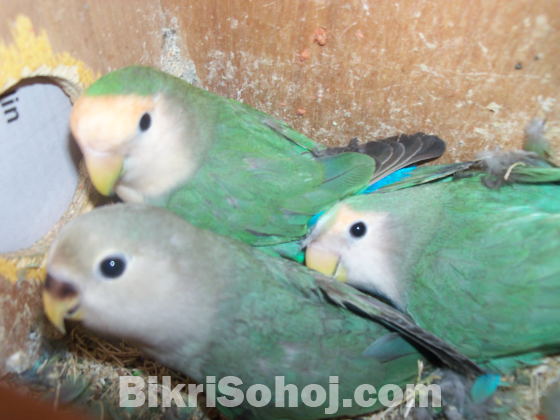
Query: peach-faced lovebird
(469, 251)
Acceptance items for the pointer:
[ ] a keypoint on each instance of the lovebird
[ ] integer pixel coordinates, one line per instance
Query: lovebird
(469, 251)
(152, 138)
(211, 306)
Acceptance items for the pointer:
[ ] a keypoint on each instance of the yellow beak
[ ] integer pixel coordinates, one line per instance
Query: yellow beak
(58, 309)
(104, 170)
(325, 262)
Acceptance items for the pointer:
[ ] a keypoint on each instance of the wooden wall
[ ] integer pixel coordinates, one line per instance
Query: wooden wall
(472, 72)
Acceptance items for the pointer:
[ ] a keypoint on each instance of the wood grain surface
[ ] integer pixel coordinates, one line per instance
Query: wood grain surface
(472, 72)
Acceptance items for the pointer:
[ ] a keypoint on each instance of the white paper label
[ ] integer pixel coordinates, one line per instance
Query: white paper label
(38, 162)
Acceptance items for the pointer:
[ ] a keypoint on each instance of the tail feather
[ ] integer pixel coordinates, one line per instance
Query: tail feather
(497, 168)
(427, 174)
(393, 153)
(418, 147)
(350, 298)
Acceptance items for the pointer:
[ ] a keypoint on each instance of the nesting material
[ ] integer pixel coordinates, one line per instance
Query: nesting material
(84, 372)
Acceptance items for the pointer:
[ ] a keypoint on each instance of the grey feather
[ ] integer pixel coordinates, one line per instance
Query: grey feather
(507, 167)
(550, 403)
(356, 301)
(395, 152)
(535, 141)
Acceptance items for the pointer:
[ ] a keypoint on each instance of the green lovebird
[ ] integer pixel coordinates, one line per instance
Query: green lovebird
(470, 251)
(152, 138)
(210, 305)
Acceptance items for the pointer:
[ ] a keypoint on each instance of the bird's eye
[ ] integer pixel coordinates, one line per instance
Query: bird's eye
(145, 122)
(358, 229)
(112, 267)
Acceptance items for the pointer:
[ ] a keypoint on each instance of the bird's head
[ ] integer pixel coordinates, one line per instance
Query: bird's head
(136, 135)
(356, 247)
(107, 128)
(131, 271)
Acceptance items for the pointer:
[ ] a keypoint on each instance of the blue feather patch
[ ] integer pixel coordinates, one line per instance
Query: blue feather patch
(314, 219)
(390, 179)
(484, 387)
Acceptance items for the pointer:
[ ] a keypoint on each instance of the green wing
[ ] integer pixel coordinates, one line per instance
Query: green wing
(297, 324)
(263, 181)
(482, 264)
(505, 269)
(278, 322)
(268, 200)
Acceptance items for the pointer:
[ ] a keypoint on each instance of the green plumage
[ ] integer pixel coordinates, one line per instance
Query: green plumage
(229, 205)
(480, 266)
(256, 179)
(134, 80)
(261, 181)
(221, 308)
(288, 329)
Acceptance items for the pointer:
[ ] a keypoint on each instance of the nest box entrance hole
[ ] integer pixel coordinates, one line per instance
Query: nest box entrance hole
(38, 161)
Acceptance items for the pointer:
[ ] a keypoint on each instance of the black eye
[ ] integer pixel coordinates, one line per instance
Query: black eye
(145, 122)
(358, 229)
(112, 267)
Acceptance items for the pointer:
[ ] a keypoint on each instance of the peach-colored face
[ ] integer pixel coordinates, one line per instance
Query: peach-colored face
(106, 123)
(330, 243)
(327, 261)
(368, 258)
(127, 139)
(344, 218)
(104, 126)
